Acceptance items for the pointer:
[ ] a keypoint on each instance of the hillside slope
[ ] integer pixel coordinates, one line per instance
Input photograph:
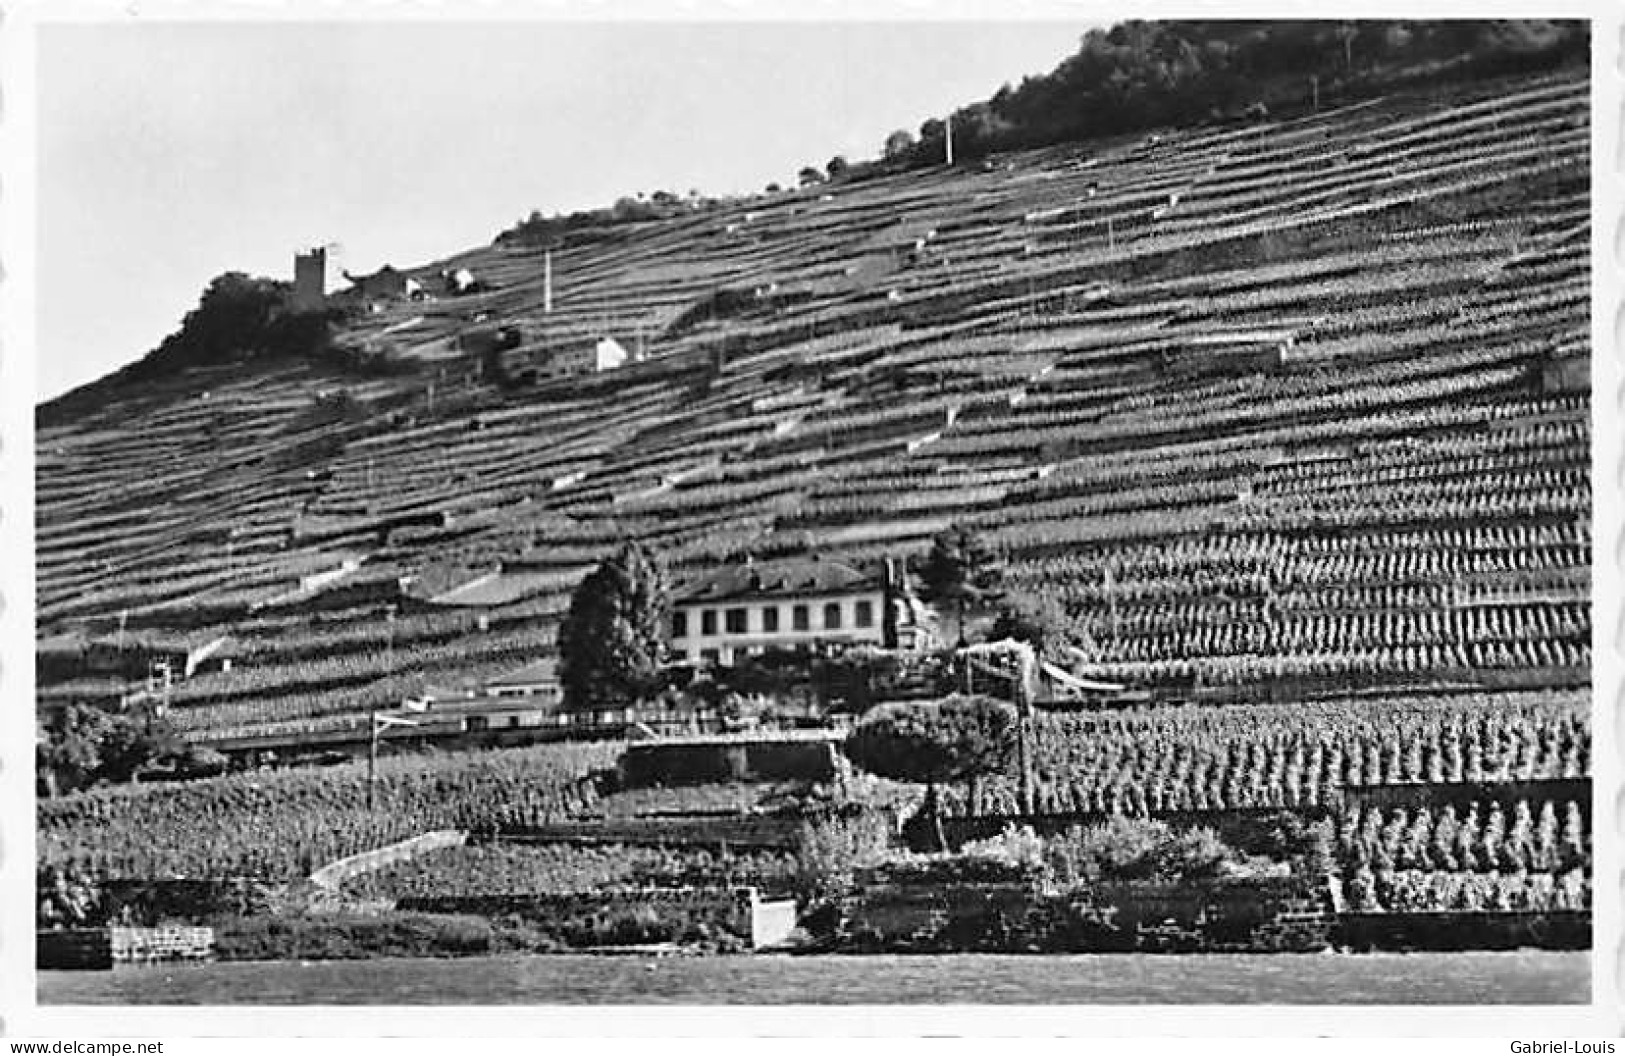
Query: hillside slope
(1288, 401)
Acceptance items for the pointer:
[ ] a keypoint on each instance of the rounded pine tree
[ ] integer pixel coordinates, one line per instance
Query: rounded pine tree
(960, 738)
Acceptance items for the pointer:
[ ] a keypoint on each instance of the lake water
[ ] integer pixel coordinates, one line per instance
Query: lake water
(1525, 977)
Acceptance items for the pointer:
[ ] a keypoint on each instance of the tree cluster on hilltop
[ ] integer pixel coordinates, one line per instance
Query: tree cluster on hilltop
(1142, 75)
(564, 228)
(238, 317)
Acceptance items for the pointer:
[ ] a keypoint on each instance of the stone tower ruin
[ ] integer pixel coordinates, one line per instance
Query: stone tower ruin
(310, 280)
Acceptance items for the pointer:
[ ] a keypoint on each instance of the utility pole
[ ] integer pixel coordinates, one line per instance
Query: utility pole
(948, 138)
(1111, 603)
(547, 281)
(1314, 92)
(374, 723)
(1024, 725)
(372, 755)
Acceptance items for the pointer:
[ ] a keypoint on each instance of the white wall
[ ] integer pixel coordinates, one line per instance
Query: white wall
(608, 354)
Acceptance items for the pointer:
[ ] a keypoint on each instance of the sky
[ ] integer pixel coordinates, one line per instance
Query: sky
(172, 152)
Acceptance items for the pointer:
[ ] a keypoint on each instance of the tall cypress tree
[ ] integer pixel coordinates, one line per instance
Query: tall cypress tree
(961, 570)
(611, 641)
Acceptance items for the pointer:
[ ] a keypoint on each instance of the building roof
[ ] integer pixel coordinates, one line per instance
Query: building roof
(543, 670)
(208, 642)
(66, 642)
(530, 703)
(780, 579)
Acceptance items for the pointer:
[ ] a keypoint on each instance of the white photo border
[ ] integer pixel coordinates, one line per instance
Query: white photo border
(22, 1016)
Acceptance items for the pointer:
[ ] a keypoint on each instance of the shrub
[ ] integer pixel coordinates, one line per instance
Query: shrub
(1135, 849)
(933, 870)
(1015, 846)
(831, 851)
(347, 937)
(200, 761)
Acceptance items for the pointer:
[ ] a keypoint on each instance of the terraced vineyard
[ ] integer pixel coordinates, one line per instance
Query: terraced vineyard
(1263, 406)
(1292, 755)
(545, 869)
(282, 825)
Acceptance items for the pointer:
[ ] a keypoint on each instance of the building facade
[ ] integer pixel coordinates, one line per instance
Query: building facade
(582, 358)
(812, 605)
(526, 698)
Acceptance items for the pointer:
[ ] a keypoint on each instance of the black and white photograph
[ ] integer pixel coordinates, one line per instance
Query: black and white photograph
(1081, 510)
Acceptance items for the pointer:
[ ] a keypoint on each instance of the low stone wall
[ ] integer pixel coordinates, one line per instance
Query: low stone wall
(1463, 793)
(702, 762)
(73, 949)
(141, 945)
(590, 918)
(333, 875)
(1553, 930)
(733, 830)
(936, 916)
(90, 948)
(1019, 917)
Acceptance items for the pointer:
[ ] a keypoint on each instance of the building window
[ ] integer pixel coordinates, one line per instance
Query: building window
(478, 723)
(864, 614)
(799, 618)
(679, 624)
(832, 616)
(736, 621)
(770, 618)
(709, 655)
(679, 654)
(708, 621)
(513, 722)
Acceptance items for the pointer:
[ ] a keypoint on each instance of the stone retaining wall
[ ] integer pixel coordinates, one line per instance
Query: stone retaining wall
(73, 949)
(739, 912)
(735, 831)
(701, 762)
(140, 945)
(1013, 916)
(89, 948)
(1462, 793)
(1553, 930)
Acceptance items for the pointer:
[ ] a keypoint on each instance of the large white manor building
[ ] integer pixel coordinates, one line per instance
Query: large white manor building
(809, 604)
